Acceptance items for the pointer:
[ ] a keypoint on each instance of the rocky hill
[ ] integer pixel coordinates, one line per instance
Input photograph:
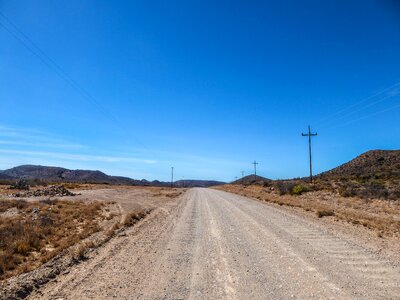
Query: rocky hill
(250, 179)
(371, 175)
(57, 174)
(374, 164)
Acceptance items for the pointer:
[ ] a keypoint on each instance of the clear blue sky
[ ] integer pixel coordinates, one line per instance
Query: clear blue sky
(204, 86)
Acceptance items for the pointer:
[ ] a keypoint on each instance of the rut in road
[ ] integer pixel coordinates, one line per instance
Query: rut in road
(216, 245)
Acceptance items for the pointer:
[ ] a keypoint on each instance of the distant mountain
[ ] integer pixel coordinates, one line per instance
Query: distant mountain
(197, 183)
(57, 174)
(5, 176)
(374, 164)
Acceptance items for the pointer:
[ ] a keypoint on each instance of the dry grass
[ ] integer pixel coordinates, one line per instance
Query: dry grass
(134, 216)
(72, 186)
(380, 215)
(325, 213)
(37, 231)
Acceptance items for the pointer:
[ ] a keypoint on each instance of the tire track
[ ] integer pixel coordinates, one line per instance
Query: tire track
(340, 257)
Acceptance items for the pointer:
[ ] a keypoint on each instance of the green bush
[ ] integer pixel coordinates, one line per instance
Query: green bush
(298, 189)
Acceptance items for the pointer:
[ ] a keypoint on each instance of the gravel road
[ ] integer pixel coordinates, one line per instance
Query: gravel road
(215, 245)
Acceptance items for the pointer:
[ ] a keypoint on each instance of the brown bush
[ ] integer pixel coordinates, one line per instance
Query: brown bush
(133, 217)
(325, 213)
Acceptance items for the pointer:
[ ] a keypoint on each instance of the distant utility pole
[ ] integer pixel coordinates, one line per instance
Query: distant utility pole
(172, 177)
(255, 169)
(242, 173)
(309, 134)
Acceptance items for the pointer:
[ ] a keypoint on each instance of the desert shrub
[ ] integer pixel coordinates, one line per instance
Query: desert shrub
(21, 184)
(21, 247)
(394, 194)
(298, 189)
(7, 204)
(132, 217)
(37, 182)
(283, 187)
(348, 191)
(267, 183)
(377, 191)
(49, 201)
(71, 186)
(79, 253)
(325, 213)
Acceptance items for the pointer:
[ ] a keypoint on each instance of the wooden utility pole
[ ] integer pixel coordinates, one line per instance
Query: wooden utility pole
(309, 135)
(172, 177)
(255, 170)
(242, 173)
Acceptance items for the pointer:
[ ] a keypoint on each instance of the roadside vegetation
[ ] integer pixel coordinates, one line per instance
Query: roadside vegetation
(31, 233)
(380, 215)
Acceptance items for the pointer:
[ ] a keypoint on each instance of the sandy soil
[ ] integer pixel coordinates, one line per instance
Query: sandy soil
(211, 244)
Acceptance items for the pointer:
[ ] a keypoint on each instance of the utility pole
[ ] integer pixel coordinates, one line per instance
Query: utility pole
(255, 170)
(242, 173)
(309, 135)
(172, 177)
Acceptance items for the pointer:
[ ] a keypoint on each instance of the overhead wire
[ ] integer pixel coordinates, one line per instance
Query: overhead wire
(368, 116)
(346, 112)
(32, 47)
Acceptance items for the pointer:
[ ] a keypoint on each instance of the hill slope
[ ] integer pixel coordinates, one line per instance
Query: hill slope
(249, 179)
(373, 174)
(374, 164)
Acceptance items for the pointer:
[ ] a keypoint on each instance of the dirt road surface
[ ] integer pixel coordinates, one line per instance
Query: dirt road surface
(216, 245)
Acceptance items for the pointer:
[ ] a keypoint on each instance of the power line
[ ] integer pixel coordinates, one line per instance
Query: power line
(172, 177)
(32, 47)
(368, 116)
(380, 93)
(309, 135)
(50, 63)
(362, 108)
(255, 169)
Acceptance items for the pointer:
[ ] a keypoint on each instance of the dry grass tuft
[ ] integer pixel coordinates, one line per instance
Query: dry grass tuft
(325, 213)
(133, 217)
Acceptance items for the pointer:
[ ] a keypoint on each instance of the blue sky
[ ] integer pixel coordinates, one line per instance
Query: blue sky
(204, 86)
